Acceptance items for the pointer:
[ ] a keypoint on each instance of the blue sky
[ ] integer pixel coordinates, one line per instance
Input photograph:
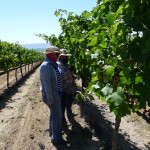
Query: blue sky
(20, 19)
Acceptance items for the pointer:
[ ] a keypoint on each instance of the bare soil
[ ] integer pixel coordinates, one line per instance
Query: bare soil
(24, 121)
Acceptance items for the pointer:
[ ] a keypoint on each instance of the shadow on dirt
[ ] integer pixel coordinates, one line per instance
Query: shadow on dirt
(8, 93)
(103, 128)
(79, 138)
(143, 116)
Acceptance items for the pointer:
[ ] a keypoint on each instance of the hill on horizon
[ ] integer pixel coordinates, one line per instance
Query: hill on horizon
(36, 45)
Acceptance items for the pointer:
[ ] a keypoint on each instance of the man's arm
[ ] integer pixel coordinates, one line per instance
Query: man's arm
(46, 74)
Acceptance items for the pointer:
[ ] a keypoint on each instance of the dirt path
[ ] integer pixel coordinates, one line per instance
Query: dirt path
(24, 124)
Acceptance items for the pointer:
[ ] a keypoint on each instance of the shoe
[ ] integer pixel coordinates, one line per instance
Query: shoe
(62, 142)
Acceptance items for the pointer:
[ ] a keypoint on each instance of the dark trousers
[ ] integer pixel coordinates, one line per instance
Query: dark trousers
(66, 103)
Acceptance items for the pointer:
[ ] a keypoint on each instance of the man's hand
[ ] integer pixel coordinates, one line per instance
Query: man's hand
(51, 105)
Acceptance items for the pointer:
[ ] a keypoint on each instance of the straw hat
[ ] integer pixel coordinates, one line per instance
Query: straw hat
(64, 52)
(51, 49)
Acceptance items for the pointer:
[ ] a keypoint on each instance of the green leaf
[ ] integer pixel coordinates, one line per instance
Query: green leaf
(93, 41)
(120, 10)
(113, 61)
(138, 80)
(96, 86)
(94, 56)
(107, 90)
(109, 72)
(86, 14)
(103, 44)
(114, 28)
(56, 13)
(111, 18)
(116, 98)
(94, 78)
(117, 104)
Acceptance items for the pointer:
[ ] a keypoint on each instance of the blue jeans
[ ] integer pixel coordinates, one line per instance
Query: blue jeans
(55, 122)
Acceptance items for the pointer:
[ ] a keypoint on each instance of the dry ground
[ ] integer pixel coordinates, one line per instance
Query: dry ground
(24, 123)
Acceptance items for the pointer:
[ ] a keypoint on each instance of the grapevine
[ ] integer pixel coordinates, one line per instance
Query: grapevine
(12, 55)
(110, 47)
